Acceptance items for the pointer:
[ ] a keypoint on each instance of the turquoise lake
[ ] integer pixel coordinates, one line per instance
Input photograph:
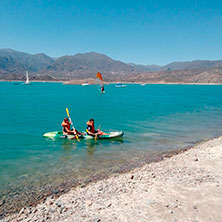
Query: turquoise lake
(154, 118)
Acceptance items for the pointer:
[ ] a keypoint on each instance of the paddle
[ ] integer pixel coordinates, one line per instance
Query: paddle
(72, 123)
(96, 134)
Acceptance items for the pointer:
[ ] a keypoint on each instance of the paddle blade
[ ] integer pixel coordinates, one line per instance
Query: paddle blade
(67, 111)
(77, 138)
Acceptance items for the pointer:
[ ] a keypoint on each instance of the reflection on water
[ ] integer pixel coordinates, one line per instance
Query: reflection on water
(91, 147)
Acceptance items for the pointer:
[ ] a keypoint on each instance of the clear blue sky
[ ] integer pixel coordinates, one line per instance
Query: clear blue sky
(139, 31)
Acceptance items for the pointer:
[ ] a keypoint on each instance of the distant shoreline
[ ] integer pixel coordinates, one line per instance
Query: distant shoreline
(91, 82)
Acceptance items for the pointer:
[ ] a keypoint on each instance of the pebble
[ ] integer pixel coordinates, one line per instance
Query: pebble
(21, 211)
(109, 205)
(89, 202)
(2, 202)
(100, 188)
(55, 191)
(195, 207)
(50, 202)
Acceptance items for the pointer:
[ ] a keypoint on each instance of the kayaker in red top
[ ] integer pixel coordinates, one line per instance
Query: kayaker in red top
(66, 128)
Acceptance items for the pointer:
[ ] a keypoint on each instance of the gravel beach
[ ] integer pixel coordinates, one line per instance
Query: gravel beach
(184, 187)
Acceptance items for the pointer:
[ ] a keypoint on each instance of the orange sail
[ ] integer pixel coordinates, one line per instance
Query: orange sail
(99, 76)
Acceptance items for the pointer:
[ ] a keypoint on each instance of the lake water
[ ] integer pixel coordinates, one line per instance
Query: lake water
(154, 118)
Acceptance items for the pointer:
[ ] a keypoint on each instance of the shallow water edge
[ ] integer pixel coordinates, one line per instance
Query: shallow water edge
(14, 204)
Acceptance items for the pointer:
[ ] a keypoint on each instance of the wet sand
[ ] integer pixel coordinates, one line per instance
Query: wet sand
(184, 187)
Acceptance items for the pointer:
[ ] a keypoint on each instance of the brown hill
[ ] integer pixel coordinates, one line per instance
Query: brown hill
(180, 76)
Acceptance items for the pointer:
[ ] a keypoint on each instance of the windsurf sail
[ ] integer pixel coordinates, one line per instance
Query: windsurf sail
(99, 79)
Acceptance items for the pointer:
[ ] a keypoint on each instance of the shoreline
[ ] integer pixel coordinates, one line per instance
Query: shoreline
(12, 206)
(91, 81)
(185, 187)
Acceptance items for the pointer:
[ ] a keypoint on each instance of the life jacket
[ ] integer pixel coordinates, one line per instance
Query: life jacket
(91, 126)
(64, 125)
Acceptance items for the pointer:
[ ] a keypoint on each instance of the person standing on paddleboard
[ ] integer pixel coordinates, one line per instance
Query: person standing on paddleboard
(66, 128)
(102, 89)
(90, 129)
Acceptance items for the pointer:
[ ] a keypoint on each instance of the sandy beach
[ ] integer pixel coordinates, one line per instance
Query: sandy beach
(184, 187)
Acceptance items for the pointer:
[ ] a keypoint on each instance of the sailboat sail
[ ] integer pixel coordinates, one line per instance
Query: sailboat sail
(27, 82)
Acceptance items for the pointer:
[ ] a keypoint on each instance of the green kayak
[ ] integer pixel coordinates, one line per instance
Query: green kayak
(59, 135)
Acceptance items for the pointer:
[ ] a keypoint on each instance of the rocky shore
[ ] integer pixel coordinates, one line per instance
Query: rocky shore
(184, 187)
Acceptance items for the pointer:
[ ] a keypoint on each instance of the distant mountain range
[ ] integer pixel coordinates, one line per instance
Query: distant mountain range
(193, 65)
(13, 65)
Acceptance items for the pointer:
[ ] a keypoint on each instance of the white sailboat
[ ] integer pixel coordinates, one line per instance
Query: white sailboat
(27, 82)
(85, 84)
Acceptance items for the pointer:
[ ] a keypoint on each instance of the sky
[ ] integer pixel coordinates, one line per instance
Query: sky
(138, 31)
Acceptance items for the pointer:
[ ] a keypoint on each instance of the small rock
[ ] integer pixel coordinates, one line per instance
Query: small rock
(196, 159)
(132, 176)
(26, 211)
(100, 188)
(96, 219)
(2, 202)
(50, 202)
(89, 202)
(109, 205)
(195, 207)
(55, 191)
(65, 209)
(21, 211)
(52, 210)
(58, 204)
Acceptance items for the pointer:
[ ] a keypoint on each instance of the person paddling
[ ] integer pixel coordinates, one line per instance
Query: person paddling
(66, 128)
(90, 129)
